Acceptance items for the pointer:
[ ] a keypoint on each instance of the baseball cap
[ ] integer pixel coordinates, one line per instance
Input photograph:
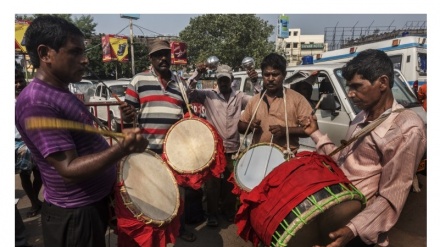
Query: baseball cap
(157, 45)
(224, 70)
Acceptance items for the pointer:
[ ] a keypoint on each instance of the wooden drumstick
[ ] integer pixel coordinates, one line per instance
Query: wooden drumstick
(317, 105)
(33, 123)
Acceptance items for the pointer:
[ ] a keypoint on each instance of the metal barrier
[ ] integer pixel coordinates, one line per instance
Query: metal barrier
(95, 105)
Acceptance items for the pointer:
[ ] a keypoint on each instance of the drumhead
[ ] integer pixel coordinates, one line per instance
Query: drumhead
(257, 163)
(190, 146)
(149, 188)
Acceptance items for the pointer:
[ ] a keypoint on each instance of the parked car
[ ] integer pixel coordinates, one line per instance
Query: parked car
(106, 95)
(82, 89)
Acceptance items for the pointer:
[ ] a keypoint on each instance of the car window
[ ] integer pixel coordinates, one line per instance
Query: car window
(104, 92)
(119, 90)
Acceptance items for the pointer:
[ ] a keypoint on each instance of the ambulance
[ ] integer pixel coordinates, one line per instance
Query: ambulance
(408, 54)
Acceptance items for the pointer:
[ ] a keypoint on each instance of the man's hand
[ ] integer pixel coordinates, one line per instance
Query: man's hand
(277, 130)
(253, 75)
(255, 125)
(308, 123)
(340, 237)
(128, 112)
(133, 142)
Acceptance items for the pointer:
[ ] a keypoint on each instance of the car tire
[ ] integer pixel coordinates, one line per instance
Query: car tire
(114, 124)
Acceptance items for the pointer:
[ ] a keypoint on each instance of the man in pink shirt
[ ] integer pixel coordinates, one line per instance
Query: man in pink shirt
(381, 164)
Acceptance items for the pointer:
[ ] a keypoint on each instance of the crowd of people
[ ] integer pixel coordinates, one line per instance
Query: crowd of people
(79, 169)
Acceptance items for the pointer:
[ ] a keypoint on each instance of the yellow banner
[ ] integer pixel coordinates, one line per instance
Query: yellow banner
(119, 46)
(20, 29)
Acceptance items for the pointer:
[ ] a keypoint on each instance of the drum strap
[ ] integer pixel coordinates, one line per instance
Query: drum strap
(364, 131)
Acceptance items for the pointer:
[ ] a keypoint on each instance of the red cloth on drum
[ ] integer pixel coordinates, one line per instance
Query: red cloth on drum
(216, 168)
(264, 207)
(237, 190)
(134, 233)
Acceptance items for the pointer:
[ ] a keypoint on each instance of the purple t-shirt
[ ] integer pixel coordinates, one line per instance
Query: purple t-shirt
(39, 99)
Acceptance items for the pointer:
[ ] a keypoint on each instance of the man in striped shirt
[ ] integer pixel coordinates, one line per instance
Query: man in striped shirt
(154, 101)
(381, 164)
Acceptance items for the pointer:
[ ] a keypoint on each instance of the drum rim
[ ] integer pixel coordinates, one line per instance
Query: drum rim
(346, 194)
(239, 183)
(132, 207)
(182, 171)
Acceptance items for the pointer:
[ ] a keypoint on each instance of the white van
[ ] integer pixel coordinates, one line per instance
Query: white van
(335, 119)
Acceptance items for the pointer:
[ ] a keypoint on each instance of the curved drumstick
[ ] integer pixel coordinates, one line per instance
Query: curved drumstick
(33, 123)
(270, 153)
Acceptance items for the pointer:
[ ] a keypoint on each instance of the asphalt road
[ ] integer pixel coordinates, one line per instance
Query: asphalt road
(410, 230)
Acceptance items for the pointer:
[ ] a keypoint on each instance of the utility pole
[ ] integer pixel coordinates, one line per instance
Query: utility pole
(131, 17)
(131, 47)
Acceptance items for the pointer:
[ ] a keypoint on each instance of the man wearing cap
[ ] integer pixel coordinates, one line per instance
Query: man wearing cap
(157, 98)
(223, 108)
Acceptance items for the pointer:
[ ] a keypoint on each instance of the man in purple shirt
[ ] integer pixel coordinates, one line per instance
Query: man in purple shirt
(78, 169)
(381, 164)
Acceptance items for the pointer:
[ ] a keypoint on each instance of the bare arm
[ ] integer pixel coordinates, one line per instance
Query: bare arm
(75, 169)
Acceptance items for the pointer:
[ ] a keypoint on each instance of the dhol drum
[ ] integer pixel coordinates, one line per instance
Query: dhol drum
(299, 203)
(148, 188)
(194, 151)
(254, 164)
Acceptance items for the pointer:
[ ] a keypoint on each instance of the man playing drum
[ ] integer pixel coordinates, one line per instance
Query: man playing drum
(158, 98)
(223, 109)
(78, 169)
(274, 111)
(381, 164)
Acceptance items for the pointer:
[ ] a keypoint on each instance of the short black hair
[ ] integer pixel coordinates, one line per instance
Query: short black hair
(48, 30)
(370, 64)
(275, 61)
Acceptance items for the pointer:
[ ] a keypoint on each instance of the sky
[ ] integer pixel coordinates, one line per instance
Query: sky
(312, 24)
(171, 16)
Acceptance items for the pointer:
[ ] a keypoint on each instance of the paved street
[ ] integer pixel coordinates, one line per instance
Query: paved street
(410, 230)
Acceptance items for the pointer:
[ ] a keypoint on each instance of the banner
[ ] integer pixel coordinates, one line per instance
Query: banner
(178, 53)
(283, 27)
(114, 48)
(20, 29)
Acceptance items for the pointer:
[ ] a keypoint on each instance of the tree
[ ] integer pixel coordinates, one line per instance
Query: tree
(230, 37)
(86, 25)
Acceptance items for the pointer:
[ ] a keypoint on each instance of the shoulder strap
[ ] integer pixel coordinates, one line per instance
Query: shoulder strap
(365, 131)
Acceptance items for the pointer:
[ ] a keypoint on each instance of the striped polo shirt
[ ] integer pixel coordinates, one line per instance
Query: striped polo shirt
(160, 107)
(40, 99)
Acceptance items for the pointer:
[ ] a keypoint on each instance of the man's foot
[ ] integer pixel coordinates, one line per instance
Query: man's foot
(212, 221)
(188, 236)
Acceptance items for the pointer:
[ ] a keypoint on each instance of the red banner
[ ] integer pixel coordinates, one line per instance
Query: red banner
(178, 53)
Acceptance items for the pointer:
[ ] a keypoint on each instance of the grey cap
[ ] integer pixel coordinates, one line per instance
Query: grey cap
(224, 70)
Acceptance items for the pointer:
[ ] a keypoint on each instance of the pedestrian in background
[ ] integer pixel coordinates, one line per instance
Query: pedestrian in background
(422, 95)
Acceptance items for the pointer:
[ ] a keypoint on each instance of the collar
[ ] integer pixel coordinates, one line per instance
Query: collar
(279, 94)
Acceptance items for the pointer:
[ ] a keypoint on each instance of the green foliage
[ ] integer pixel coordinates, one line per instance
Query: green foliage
(86, 25)
(230, 37)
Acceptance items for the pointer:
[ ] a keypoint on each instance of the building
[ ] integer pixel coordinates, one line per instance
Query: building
(297, 46)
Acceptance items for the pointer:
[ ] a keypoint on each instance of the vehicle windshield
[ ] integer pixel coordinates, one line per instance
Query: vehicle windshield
(401, 92)
(119, 90)
(80, 87)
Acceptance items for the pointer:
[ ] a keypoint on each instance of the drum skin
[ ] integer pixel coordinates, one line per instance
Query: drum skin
(190, 146)
(149, 188)
(298, 203)
(254, 164)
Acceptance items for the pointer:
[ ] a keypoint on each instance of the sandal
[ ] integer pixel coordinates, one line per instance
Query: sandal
(188, 236)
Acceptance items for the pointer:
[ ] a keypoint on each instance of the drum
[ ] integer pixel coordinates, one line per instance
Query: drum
(189, 146)
(194, 151)
(148, 188)
(299, 203)
(254, 164)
